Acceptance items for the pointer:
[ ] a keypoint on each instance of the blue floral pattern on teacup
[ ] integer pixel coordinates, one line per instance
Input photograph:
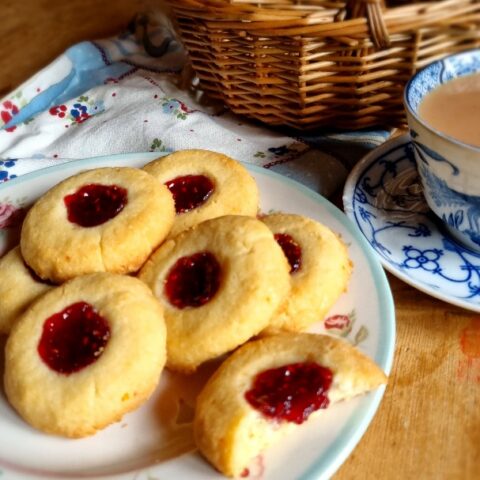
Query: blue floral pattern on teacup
(461, 212)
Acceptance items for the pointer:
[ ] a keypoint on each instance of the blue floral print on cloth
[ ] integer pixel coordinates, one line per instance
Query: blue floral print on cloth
(130, 94)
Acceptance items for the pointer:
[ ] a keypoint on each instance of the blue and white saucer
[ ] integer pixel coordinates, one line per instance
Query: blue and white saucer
(383, 196)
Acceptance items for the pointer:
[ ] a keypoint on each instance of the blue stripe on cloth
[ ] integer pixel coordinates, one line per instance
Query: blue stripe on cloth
(89, 69)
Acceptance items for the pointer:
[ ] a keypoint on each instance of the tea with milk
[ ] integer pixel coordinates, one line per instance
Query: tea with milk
(453, 108)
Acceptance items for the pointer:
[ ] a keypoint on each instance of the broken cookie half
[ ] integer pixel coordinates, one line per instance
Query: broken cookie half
(270, 386)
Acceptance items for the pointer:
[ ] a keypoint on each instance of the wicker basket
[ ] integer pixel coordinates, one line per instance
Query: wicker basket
(311, 63)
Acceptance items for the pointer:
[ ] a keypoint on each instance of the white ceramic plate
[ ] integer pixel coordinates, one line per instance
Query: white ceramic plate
(383, 196)
(154, 442)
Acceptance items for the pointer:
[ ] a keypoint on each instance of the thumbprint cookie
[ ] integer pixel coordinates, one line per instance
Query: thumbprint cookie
(220, 282)
(19, 287)
(205, 185)
(319, 269)
(85, 353)
(101, 220)
(267, 387)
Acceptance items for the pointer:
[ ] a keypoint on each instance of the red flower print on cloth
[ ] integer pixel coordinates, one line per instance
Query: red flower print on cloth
(80, 111)
(9, 109)
(58, 111)
(10, 215)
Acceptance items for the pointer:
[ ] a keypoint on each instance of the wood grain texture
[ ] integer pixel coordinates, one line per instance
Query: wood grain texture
(428, 425)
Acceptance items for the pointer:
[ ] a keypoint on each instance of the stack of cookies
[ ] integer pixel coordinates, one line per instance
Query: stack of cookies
(122, 271)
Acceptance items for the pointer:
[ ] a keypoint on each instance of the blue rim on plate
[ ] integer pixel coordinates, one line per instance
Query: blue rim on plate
(383, 196)
(325, 466)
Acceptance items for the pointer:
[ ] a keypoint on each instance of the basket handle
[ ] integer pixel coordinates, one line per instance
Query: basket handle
(372, 10)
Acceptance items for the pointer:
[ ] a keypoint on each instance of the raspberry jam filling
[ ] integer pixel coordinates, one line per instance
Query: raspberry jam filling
(193, 280)
(291, 249)
(73, 338)
(190, 191)
(94, 204)
(292, 392)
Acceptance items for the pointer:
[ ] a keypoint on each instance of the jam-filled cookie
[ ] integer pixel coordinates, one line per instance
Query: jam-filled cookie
(101, 220)
(220, 282)
(19, 287)
(319, 269)
(85, 353)
(269, 386)
(205, 185)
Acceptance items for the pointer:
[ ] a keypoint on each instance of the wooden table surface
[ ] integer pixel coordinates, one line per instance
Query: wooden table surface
(428, 424)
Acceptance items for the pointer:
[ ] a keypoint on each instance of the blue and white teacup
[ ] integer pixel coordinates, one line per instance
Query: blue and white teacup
(449, 169)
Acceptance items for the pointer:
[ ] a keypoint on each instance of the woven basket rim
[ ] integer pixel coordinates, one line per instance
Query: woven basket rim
(309, 62)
